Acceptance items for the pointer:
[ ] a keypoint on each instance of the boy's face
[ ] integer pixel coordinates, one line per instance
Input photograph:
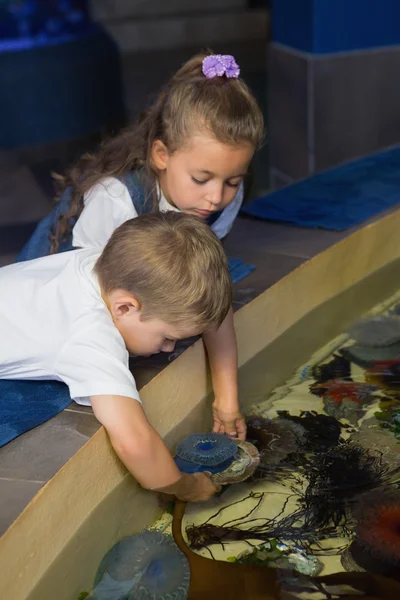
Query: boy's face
(203, 177)
(144, 337)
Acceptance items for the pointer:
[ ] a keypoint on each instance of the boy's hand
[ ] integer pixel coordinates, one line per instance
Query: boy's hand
(144, 453)
(229, 421)
(192, 488)
(200, 488)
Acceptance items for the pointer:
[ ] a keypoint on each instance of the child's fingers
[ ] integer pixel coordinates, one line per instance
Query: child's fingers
(236, 428)
(241, 429)
(218, 427)
(230, 428)
(217, 486)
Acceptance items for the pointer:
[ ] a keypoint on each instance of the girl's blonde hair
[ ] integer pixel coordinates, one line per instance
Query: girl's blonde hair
(174, 265)
(189, 103)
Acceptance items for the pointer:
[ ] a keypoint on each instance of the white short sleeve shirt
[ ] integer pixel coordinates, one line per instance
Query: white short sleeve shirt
(108, 204)
(55, 325)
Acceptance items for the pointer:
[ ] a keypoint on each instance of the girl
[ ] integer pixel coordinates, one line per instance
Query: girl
(190, 152)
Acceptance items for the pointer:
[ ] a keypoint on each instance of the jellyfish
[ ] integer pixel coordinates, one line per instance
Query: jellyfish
(212, 452)
(145, 566)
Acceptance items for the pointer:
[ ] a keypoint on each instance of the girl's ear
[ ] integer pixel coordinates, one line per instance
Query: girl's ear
(159, 155)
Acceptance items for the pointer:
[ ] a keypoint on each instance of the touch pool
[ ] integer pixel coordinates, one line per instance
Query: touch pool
(324, 497)
(55, 547)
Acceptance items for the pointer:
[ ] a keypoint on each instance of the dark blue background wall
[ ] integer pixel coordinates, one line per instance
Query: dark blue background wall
(328, 26)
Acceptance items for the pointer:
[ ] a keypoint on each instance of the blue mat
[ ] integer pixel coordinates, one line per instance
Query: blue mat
(336, 199)
(238, 269)
(27, 404)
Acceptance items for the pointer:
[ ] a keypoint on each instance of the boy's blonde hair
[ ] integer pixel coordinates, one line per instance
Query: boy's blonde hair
(174, 265)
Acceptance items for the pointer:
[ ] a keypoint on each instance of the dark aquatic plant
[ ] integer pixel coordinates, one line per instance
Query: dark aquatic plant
(288, 528)
(337, 368)
(334, 477)
(146, 566)
(322, 431)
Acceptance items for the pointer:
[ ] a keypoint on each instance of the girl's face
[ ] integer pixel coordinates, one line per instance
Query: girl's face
(203, 177)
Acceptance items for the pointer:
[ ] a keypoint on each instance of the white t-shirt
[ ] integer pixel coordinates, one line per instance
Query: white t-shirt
(108, 204)
(54, 324)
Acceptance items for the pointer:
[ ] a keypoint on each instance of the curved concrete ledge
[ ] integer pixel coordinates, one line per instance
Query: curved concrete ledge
(53, 549)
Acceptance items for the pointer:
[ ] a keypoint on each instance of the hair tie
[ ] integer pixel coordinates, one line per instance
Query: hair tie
(218, 65)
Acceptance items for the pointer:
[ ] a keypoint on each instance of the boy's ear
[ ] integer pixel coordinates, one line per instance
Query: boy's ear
(159, 155)
(123, 304)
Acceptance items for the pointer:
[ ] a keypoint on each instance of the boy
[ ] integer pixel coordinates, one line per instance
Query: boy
(77, 316)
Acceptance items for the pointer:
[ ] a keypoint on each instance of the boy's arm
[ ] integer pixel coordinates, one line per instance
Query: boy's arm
(144, 453)
(222, 354)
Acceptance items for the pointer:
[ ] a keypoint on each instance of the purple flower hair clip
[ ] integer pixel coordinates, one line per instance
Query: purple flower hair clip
(218, 65)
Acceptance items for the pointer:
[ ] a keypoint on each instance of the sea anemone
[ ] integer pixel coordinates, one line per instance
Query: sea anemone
(207, 450)
(378, 331)
(377, 437)
(347, 409)
(146, 566)
(336, 476)
(321, 431)
(243, 466)
(274, 438)
(338, 368)
(378, 527)
(363, 356)
(384, 373)
(338, 390)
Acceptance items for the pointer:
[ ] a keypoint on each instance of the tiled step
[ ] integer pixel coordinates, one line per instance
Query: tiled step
(7, 259)
(21, 198)
(23, 202)
(202, 29)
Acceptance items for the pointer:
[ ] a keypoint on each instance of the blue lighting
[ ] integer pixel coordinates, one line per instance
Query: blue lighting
(27, 24)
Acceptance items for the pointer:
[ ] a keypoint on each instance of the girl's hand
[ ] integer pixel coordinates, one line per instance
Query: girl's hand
(230, 422)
